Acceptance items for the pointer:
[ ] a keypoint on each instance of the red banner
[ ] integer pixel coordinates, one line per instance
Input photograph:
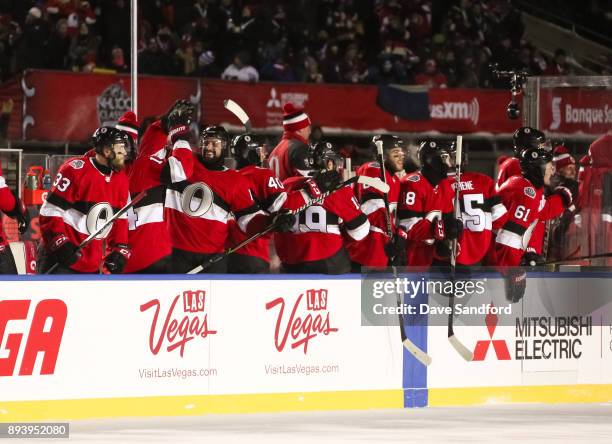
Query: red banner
(70, 106)
(353, 108)
(63, 106)
(576, 110)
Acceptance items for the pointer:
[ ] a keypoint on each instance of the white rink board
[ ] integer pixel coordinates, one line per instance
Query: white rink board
(105, 350)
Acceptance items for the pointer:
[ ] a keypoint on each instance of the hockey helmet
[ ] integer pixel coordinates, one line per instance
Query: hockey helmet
(214, 132)
(107, 136)
(389, 142)
(247, 149)
(527, 137)
(325, 152)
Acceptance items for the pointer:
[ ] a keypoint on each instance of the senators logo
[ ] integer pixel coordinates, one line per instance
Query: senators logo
(307, 319)
(178, 328)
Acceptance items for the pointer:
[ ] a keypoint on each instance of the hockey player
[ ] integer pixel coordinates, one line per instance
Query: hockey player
(86, 192)
(315, 244)
(292, 156)
(482, 212)
(201, 207)
(523, 196)
(165, 157)
(376, 249)
(425, 206)
(269, 193)
(14, 208)
(511, 166)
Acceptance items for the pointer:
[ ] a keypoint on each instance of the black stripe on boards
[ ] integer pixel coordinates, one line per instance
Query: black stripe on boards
(513, 227)
(154, 195)
(356, 222)
(180, 187)
(81, 206)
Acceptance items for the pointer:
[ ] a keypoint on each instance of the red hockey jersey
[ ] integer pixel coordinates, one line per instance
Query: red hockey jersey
(370, 251)
(199, 209)
(269, 192)
(152, 170)
(420, 205)
(509, 167)
(80, 202)
(481, 212)
(291, 157)
(7, 204)
(316, 234)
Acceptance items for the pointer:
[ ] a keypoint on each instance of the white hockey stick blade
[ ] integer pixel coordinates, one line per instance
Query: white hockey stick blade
(461, 349)
(419, 354)
(459, 150)
(237, 110)
(19, 255)
(373, 182)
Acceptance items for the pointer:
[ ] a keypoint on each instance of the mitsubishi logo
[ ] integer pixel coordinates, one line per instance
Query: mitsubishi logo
(499, 345)
(273, 101)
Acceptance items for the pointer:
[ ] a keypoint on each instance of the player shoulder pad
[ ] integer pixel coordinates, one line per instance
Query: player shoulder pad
(77, 164)
(530, 192)
(413, 178)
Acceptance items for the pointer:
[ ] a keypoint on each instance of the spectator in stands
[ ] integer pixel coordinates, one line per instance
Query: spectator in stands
(311, 72)
(207, 66)
(559, 66)
(431, 77)
(118, 60)
(389, 69)
(154, 61)
(31, 52)
(83, 50)
(57, 48)
(240, 69)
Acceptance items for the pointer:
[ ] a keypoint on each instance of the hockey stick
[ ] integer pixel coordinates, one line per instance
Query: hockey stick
(455, 342)
(237, 110)
(108, 223)
(416, 351)
(370, 181)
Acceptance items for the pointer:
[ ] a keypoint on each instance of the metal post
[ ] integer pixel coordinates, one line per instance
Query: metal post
(134, 55)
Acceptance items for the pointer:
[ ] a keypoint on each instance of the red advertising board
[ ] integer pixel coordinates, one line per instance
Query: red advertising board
(70, 106)
(64, 106)
(354, 107)
(576, 110)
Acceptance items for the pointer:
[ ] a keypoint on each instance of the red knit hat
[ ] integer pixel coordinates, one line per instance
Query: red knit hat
(129, 124)
(294, 119)
(562, 157)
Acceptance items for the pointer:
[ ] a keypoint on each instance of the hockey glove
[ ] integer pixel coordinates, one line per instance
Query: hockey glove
(452, 227)
(568, 191)
(116, 259)
(327, 180)
(395, 249)
(21, 214)
(181, 112)
(531, 259)
(64, 251)
(443, 250)
(284, 221)
(515, 283)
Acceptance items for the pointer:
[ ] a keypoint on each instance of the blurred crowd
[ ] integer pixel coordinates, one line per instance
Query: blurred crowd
(439, 44)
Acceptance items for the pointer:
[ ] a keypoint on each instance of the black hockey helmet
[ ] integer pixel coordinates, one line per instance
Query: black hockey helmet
(215, 132)
(527, 137)
(246, 149)
(325, 152)
(107, 136)
(389, 142)
(533, 160)
(434, 158)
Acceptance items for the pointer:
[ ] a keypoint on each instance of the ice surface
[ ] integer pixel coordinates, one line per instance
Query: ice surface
(499, 423)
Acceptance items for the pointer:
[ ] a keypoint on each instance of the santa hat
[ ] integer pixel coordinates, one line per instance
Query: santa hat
(129, 124)
(562, 157)
(294, 119)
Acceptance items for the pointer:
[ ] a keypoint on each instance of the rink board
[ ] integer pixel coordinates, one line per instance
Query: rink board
(174, 345)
